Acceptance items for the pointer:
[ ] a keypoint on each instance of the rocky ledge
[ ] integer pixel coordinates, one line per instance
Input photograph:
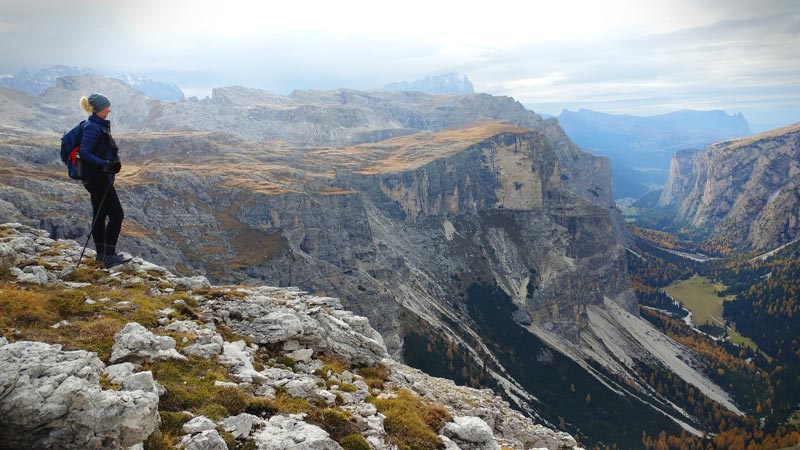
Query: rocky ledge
(135, 357)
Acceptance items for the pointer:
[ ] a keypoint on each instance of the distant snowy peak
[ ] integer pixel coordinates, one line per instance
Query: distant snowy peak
(449, 83)
(154, 89)
(38, 82)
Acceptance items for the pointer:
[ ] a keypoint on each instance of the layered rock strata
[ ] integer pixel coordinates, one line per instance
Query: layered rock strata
(745, 189)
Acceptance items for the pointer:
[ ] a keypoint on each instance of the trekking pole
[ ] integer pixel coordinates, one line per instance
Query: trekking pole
(99, 208)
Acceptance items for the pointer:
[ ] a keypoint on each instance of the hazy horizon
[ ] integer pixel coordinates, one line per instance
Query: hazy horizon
(618, 57)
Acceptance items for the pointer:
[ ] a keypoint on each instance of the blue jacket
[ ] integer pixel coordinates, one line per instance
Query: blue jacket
(97, 147)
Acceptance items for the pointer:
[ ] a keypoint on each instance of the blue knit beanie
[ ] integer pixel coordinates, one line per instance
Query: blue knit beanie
(99, 102)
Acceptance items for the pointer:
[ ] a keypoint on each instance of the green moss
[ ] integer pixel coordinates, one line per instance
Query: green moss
(354, 442)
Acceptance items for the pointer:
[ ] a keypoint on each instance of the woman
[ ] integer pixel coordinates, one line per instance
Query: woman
(100, 162)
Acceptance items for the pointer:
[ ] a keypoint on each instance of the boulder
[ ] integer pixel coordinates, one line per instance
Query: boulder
(291, 433)
(302, 355)
(240, 426)
(136, 343)
(302, 388)
(470, 433)
(198, 424)
(191, 283)
(33, 275)
(206, 440)
(117, 373)
(238, 360)
(51, 398)
(143, 381)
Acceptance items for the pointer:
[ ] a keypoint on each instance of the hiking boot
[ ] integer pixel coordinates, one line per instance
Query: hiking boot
(113, 258)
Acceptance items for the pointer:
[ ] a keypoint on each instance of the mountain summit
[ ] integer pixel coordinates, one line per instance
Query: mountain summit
(37, 83)
(449, 83)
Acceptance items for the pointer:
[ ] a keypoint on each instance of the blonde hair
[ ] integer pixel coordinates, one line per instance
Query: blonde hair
(86, 105)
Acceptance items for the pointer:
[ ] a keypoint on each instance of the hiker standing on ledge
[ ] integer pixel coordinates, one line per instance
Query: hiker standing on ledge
(100, 158)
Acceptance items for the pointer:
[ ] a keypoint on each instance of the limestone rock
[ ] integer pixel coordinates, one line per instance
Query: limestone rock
(449, 444)
(136, 343)
(240, 426)
(236, 357)
(271, 320)
(207, 342)
(747, 189)
(34, 275)
(470, 433)
(301, 355)
(198, 424)
(206, 440)
(118, 373)
(51, 398)
(291, 433)
(191, 283)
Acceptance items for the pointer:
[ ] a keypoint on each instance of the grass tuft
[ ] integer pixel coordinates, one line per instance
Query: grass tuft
(354, 442)
(411, 422)
(375, 377)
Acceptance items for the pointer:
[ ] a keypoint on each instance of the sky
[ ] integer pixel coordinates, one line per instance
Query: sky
(641, 57)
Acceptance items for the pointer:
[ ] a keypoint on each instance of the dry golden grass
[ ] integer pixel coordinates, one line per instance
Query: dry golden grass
(411, 422)
(270, 168)
(132, 228)
(33, 310)
(749, 140)
(416, 150)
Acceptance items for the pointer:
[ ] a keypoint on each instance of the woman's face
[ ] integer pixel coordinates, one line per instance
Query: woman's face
(104, 113)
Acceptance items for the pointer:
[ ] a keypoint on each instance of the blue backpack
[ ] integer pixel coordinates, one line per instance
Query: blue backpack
(70, 146)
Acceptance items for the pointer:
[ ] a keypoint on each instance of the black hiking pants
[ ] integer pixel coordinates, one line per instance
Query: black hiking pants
(110, 210)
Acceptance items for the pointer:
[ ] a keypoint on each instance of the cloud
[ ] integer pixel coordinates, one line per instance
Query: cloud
(615, 55)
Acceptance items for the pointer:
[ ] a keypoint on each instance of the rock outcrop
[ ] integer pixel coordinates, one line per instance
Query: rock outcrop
(747, 190)
(50, 398)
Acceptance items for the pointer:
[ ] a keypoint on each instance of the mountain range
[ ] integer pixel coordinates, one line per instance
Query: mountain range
(448, 83)
(640, 148)
(478, 239)
(37, 82)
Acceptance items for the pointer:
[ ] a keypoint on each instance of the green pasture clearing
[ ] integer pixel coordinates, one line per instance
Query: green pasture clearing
(699, 295)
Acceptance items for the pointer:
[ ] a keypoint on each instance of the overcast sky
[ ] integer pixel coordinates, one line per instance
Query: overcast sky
(639, 57)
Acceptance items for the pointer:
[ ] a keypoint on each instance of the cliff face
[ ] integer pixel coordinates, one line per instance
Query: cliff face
(640, 147)
(445, 239)
(746, 189)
